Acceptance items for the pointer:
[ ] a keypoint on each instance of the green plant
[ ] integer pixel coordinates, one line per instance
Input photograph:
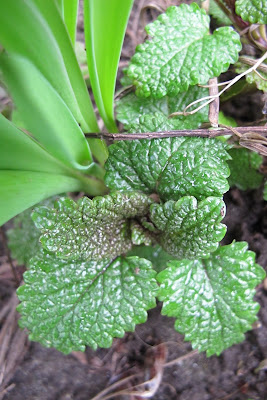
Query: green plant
(94, 276)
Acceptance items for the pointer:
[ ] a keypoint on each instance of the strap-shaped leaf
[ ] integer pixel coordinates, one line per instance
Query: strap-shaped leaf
(212, 299)
(188, 53)
(35, 30)
(68, 305)
(171, 167)
(90, 229)
(254, 11)
(70, 13)
(105, 23)
(138, 114)
(189, 229)
(244, 169)
(20, 190)
(43, 112)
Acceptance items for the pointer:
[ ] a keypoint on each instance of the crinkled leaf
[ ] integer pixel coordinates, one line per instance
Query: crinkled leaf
(23, 238)
(188, 229)
(181, 52)
(244, 169)
(137, 113)
(69, 304)
(171, 167)
(155, 254)
(212, 299)
(90, 229)
(254, 11)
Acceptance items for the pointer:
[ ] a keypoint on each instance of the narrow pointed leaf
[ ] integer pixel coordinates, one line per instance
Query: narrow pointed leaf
(90, 229)
(212, 300)
(43, 112)
(19, 151)
(70, 17)
(68, 305)
(105, 24)
(188, 229)
(171, 167)
(20, 190)
(35, 30)
(188, 53)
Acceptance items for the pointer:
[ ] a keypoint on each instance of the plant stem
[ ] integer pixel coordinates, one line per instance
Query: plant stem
(205, 133)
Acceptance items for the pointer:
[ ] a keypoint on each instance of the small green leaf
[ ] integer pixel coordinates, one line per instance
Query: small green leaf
(244, 169)
(138, 114)
(188, 229)
(212, 299)
(155, 254)
(68, 305)
(217, 13)
(171, 167)
(265, 192)
(254, 11)
(23, 238)
(188, 53)
(90, 229)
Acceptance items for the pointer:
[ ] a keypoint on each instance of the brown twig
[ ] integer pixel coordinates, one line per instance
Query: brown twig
(215, 104)
(205, 133)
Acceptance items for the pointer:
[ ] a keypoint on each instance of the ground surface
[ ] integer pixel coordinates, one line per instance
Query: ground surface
(240, 373)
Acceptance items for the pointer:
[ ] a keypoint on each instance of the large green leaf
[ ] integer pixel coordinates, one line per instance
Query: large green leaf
(155, 254)
(151, 115)
(68, 305)
(20, 190)
(19, 151)
(188, 53)
(105, 23)
(171, 167)
(212, 299)
(43, 112)
(188, 229)
(254, 11)
(35, 30)
(90, 229)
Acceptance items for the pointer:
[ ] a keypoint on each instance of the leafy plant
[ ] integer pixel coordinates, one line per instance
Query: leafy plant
(92, 264)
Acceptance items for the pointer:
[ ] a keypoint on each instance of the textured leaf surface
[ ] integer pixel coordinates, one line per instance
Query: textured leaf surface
(212, 299)
(23, 238)
(90, 229)
(68, 305)
(181, 52)
(254, 11)
(136, 113)
(244, 169)
(189, 229)
(171, 167)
